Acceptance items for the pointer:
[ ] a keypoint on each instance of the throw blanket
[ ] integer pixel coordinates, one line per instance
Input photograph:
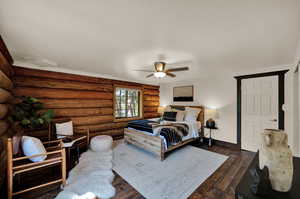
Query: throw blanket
(142, 125)
(91, 178)
(172, 132)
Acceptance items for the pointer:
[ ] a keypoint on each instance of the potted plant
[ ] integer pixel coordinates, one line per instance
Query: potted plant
(28, 114)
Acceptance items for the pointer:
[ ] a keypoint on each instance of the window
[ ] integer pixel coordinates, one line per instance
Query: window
(127, 103)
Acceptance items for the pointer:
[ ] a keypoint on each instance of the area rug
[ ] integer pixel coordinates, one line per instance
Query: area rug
(174, 178)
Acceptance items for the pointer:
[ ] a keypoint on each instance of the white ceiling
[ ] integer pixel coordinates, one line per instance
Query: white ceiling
(113, 38)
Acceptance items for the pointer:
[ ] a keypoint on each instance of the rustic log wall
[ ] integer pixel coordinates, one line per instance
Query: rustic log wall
(6, 99)
(88, 101)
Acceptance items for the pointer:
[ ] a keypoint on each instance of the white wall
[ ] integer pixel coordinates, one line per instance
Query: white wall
(220, 92)
(296, 110)
(296, 102)
(290, 110)
(217, 93)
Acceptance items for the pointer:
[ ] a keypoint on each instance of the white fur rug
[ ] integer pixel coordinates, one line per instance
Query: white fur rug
(91, 178)
(174, 178)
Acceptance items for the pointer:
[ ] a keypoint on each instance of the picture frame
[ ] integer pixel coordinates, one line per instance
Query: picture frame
(183, 93)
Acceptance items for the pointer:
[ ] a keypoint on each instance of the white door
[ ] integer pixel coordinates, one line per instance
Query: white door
(259, 109)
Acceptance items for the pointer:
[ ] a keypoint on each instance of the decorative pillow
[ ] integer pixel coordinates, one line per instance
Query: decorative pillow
(65, 128)
(180, 115)
(192, 114)
(170, 116)
(33, 146)
(178, 108)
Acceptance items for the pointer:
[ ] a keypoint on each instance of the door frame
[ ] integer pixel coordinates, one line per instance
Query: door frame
(281, 76)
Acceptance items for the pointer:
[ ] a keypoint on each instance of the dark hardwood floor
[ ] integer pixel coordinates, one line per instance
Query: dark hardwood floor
(220, 185)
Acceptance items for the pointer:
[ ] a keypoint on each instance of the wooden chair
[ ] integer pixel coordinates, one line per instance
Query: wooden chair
(77, 132)
(21, 164)
(80, 140)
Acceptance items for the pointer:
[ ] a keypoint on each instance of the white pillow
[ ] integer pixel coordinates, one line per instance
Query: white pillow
(180, 115)
(33, 146)
(192, 114)
(65, 128)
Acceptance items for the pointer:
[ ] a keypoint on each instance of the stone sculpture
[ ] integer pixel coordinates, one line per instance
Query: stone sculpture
(275, 154)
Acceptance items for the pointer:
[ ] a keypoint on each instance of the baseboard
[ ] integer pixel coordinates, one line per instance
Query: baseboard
(223, 144)
(227, 144)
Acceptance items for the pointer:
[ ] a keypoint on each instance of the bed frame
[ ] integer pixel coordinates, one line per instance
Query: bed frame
(154, 144)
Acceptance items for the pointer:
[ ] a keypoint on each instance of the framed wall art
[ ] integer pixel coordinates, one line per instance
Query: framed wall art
(183, 94)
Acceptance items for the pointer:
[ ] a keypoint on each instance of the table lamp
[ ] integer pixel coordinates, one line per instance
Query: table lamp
(211, 114)
(161, 110)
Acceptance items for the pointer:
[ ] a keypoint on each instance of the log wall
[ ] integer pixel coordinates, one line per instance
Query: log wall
(6, 87)
(88, 101)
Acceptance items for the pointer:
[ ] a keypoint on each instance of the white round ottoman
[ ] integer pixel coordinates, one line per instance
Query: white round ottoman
(101, 143)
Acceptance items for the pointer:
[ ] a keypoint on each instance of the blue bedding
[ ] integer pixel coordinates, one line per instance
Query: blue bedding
(172, 132)
(142, 125)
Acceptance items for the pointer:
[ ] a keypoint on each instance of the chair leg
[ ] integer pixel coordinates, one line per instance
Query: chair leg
(9, 169)
(9, 185)
(77, 155)
(63, 167)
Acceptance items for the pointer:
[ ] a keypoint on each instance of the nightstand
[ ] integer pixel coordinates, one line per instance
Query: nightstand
(210, 139)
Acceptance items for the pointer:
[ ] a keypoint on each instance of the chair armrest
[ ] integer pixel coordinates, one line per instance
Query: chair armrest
(37, 155)
(53, 141)
(83, 131)
(53, 144)
(53, 148)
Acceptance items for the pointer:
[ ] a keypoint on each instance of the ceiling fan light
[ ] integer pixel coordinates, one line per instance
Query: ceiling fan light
(159, 74)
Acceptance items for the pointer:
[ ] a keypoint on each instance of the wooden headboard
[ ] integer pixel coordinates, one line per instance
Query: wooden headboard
(200, 116)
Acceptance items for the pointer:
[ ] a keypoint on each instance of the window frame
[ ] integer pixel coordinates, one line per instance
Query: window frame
(141, 113)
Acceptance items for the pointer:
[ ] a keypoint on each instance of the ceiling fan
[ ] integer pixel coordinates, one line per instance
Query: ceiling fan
(160, 70)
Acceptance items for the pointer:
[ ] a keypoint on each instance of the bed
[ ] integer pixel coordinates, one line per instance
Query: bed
(156, 143)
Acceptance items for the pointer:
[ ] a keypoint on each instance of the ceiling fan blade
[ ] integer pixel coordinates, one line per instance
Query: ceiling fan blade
(177, 69)
(149, 71)
(179, 63)
(149, 75)
(170, 74)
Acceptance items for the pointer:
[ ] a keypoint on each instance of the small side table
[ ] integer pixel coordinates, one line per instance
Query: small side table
(210, 139)
(78, 141)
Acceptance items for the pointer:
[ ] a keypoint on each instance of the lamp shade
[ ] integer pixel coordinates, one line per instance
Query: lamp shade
(161, 109)
(211, 113)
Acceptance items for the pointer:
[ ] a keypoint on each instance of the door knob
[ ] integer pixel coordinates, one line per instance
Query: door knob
(273, 120)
